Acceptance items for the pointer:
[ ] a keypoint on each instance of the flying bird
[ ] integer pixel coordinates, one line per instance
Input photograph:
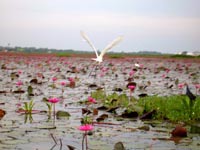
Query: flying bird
(99, 58)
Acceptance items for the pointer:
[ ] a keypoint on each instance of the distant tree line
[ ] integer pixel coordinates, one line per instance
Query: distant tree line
(49, 50)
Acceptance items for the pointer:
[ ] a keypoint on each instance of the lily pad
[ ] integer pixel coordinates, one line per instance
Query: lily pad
(62, 114)
(119, 146)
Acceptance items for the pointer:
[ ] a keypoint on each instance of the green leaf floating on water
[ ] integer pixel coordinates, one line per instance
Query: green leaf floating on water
(119, 146)
(61, 114)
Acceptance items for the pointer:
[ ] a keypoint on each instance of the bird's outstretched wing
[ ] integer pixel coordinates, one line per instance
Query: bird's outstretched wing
(89, 42)
(111, 45)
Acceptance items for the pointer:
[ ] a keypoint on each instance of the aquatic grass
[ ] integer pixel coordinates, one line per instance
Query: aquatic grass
(123, 100)
(196, 109)
(28, 107)
(99, 95)
(28, 117)
(174, 108)
(177, 110)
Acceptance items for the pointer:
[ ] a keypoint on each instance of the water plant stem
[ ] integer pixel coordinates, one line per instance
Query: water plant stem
(86, 143)
(54, 113)
(83, 141)
(53, 138)
(130, 96)
(60, 144)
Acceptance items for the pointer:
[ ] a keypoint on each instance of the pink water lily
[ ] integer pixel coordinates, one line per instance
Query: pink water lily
(131, 73)
(63, 83)
(91, 100)
(86, 127)
(19, 83)
(71, 82)
(131, 87)
(71, 79)
(181, 85)
(54, 79)
(53, 100)
(19, 72)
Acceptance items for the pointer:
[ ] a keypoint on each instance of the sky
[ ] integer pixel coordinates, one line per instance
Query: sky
(166, 26)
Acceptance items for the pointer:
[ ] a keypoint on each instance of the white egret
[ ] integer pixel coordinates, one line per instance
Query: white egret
(137, 65)
(99, 58)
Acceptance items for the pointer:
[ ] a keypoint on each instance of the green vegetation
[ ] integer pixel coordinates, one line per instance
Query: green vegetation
(64, 54)
(115, 55)
(28, 107)
(71, 52)
(184, 56)
(174, 108)
(49, 105)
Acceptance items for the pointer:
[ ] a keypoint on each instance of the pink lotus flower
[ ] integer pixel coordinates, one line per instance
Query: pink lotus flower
(63, 83)
(54, 79)
(71, 79)
(86, 127)
(71, 82)
(91, 100)
(19, 72)
(19, 83)
(53, 100)
(181, 85)
(197, 86)
(131, 87)
(131, 73)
